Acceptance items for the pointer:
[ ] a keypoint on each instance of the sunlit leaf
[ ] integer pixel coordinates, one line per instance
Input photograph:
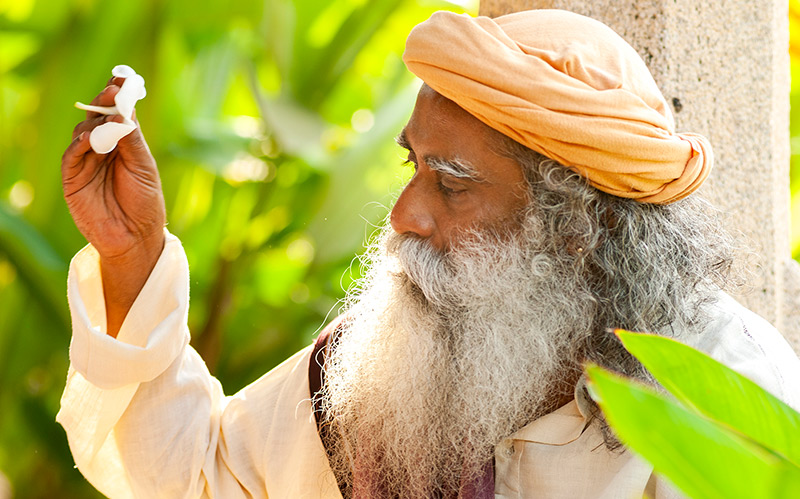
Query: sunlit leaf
(701, 457)
(718, 392)
(297, 130)
(37, 264)
(336, 57)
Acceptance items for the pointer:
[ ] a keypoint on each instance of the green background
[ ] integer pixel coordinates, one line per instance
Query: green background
(272, 122)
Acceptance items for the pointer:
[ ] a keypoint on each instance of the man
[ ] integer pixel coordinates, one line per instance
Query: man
(455, 370)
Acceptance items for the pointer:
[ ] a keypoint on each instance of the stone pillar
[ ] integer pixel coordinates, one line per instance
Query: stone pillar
(724, 67)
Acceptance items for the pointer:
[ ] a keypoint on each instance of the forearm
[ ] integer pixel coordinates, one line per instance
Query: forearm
(124, 277)
(131, 402)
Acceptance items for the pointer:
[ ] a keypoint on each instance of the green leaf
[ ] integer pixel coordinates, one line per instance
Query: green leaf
(336, 57)
(297, 130)
(701, 457)
(718, 392)
(37, 264)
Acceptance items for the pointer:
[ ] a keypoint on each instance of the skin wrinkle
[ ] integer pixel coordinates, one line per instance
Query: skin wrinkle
(456, 167)
(440, 208)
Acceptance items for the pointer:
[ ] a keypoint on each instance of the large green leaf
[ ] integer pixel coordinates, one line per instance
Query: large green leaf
(297, 130)
(701, 457)
(718, 392)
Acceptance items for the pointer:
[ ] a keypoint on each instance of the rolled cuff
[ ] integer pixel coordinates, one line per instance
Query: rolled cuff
(154, 331)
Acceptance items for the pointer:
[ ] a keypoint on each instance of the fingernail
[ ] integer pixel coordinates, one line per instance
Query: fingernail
(80, 137)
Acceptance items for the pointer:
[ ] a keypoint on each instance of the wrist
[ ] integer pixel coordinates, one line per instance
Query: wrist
(144, 254)
(125, 275)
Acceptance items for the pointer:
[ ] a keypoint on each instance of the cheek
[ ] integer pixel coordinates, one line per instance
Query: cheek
(507, 204)
(499, 210)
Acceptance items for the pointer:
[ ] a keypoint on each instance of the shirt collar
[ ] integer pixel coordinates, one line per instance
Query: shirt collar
(562, 426)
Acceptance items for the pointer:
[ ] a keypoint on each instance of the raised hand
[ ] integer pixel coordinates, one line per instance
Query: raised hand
(117, 204)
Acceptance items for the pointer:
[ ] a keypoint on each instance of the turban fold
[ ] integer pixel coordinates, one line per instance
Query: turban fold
(568, 87)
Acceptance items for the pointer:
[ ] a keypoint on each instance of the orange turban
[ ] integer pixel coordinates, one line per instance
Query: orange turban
(568, 87)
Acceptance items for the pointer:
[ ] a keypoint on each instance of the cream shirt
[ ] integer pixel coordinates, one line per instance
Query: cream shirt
(144, 418)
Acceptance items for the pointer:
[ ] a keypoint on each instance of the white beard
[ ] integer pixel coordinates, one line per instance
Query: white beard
(444, 355)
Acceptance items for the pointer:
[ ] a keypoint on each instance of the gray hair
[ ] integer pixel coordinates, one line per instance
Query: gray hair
(645, 267)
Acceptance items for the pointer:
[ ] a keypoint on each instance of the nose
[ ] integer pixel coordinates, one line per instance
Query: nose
(411, 214)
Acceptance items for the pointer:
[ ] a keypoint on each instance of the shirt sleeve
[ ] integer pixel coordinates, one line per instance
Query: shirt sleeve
(144, 418)
(749, 344)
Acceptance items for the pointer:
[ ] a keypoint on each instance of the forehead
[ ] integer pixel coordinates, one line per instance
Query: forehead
(439, 127)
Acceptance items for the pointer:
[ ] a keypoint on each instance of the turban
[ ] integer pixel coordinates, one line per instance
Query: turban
(568, 87)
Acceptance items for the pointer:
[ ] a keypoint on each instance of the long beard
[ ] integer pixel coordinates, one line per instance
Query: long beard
(447, 354)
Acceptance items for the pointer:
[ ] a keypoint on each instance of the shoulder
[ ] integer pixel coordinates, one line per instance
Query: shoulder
(273, 398)
(284, 395)
(746, 342)
(270, 424)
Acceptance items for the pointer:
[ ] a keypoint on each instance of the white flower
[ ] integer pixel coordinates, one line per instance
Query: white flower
(104, 138)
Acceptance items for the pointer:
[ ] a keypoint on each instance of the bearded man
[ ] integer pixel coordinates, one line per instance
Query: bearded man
(550, 202)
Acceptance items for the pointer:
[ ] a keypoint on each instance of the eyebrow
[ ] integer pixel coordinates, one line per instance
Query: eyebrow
(456, 167)
(402, 140)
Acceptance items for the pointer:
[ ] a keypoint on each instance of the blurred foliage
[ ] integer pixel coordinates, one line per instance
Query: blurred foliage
(272, 122)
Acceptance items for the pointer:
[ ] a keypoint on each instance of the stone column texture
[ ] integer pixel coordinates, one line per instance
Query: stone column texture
(723, 65)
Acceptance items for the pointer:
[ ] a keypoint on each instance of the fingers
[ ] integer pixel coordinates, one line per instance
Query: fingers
(75, 152)
(115, 80)
(104, 98)
(89, 124)
(133, 148)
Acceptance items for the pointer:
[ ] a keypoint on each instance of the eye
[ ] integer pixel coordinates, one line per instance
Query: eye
(448, 187)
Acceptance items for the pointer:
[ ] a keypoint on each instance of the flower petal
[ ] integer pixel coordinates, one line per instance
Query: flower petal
(131, 91)
(104, 138)
(123, 71)
(107, 110)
